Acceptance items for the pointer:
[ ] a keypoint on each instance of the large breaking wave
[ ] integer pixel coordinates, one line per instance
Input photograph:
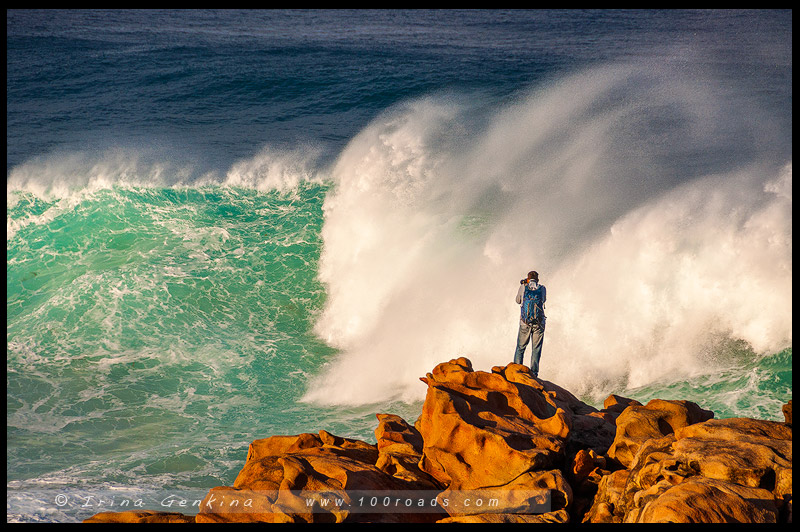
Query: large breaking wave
(655, 206)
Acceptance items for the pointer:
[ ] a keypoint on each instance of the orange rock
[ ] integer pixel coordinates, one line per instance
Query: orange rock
(610, 495)
(323, 443)
(284, 473)
(533, 497)
(532, 493)
(744, 451)
(522, 440)
(400, 451)
(482, 429)
(589, 428)
(704, 500)
(637, 424)
(728, 470)
(614, 405)
(140, 516)
(393, 429)
(617, 403)
(736, 429)
(584, 462)
(585, 474)
(559, 516)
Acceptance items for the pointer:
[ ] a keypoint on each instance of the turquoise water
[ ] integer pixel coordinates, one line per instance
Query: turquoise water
(757, 387)
(154, 332)
(223, 226)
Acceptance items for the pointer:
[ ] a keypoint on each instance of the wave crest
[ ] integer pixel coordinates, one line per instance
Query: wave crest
(653, 213)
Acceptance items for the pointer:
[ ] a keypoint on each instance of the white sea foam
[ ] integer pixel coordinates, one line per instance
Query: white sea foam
(273, 169)
(654, 216)
(67, 179)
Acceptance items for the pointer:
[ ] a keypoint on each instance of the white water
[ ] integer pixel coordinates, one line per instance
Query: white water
(650, 204)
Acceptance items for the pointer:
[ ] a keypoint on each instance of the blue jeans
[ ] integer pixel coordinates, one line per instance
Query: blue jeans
(535, 335)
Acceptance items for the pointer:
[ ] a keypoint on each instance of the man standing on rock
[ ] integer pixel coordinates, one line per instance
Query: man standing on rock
(531, 297)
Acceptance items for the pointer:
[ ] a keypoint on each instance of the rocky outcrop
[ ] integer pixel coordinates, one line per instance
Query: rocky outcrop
(300, 478)
(639, 424)
(140, 516)
(400, 451)
(504, 446)
(730, 470)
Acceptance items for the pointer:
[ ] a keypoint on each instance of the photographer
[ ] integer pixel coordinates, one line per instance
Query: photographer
(531, 297)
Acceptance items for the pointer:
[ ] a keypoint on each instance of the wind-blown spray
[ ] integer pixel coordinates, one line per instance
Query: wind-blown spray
(654, 215)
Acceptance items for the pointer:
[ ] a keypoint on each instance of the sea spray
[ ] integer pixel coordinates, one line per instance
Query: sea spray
(653, 214)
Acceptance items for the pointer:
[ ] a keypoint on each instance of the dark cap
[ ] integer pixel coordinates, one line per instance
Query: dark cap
(533, 275)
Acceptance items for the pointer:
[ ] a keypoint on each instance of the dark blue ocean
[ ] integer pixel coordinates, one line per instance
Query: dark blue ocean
(227, 225)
